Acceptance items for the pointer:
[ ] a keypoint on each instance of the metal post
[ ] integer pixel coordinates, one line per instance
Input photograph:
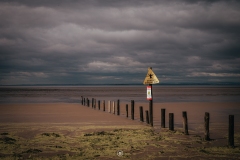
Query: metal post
(151, 109)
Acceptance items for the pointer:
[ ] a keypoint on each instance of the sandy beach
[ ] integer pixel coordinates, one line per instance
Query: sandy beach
(73, 131)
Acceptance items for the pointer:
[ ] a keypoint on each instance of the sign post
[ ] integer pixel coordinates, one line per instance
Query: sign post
(150, 79)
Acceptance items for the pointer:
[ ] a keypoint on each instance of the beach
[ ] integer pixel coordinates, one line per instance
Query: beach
(74, 131)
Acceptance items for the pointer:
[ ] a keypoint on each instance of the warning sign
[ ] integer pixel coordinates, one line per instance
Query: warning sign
(151, 78)
(149, 93)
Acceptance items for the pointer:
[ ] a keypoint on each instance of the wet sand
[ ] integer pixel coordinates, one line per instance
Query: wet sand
(26, 122)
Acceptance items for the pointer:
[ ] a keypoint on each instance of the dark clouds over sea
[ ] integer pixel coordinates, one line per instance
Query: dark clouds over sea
(113, 42)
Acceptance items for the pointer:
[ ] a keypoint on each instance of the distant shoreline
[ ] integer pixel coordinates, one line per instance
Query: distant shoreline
(161, 84)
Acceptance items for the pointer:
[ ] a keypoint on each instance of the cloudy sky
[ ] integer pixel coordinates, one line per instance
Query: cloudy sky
(115, 41)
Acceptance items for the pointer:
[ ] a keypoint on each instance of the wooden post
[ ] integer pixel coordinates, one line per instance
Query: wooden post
(113, 107)
(231, 131)
(104, 105)
(98, 104)
(118, 107)
(109, 106)
(87, 102)
(147, 116)
(151, 108)
(141, 113)
(171, 121)
(185, 123)
(82, 99)
(126, 110)
(132, 109)
(92, 102)
(163, 111)
(95, 103)
(206, 126)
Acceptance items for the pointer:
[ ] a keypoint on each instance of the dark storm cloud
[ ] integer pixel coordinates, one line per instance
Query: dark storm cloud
(115, 41)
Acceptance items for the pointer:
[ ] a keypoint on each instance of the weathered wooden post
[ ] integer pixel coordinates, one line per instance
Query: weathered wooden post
(147, 116)
(118, 107)
(82, 99)
(206, 126)
(92, 102)
(109, 106)
(171, 121)
(99, 104)
(150, 79)
(104, 105)
(87, 102)
(95, 103)
(141, 113)
(132, 109)
(185, 123)
(163, 117)
(113, 107)
(126, 110)
(231, 131)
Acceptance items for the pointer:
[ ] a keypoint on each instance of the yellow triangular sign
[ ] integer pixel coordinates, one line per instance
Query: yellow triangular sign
(151, 78)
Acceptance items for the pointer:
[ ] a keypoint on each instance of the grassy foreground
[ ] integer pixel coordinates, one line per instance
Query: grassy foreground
(51, 141)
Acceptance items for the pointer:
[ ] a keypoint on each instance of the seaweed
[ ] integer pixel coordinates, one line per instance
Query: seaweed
(32, 151)
(51, 134)
(8, 140)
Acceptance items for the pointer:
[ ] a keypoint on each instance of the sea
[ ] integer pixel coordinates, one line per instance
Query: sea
(124, 93)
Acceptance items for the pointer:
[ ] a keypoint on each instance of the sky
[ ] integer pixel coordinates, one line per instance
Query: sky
(114, 42)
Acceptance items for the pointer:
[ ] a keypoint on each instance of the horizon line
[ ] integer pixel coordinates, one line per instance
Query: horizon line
(80, 84)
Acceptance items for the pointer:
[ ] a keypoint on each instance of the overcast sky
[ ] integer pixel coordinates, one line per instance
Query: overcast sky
(115, 41)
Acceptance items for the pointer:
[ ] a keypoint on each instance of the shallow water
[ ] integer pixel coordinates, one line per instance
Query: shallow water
(126, 93)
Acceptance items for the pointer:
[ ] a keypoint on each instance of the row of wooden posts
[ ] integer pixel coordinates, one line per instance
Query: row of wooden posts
(116, 110)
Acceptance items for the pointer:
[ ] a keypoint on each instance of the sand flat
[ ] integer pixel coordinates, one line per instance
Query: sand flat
(73, 131)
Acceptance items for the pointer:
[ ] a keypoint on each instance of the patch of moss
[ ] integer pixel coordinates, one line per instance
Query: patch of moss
(8, 140)
(204, 151)
(4, 133)
(51, 134)
(32, 151)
